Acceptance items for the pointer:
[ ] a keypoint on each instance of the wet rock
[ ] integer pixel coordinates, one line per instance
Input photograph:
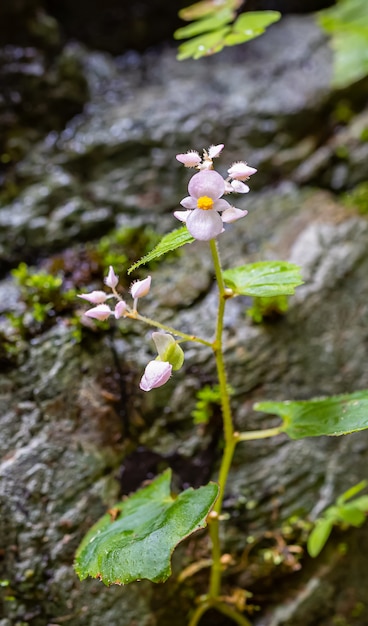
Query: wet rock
(38, 95)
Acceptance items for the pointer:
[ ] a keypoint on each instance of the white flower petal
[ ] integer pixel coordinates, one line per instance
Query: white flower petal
(206, 183)
(182, 215)
(232, 214)
(189, 203)
(221, 205)
(204, 225)
(239, 187)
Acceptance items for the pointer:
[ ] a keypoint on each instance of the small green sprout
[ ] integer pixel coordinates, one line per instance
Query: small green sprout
(207, 399)
(346, 512)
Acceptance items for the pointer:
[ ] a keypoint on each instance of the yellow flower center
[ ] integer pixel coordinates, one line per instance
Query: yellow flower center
(205, 203)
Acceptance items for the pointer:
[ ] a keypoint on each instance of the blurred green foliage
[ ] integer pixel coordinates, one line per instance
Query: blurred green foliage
(347, 24)
(348, 511)
(215, 24)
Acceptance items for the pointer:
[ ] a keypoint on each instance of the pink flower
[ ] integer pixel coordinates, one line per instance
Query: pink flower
(95, 297)
(156, 374)
(241, 171)
(100, 312)
(204, 203)
(140, 288)
(111, 279)
(190, 159)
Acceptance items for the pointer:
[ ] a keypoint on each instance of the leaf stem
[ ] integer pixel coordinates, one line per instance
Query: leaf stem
(258, 434)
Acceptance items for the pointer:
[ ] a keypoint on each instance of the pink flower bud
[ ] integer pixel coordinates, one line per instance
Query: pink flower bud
(156, 374)
(214, 151)
(111, 279)
(100, 312)
(95, 297)
(140, 288)
(120, 309)
(190, 159)
(241, 171)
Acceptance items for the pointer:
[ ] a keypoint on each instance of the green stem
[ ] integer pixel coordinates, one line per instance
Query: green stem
(200, 610)
(147, 320)
(230, 442)
(232, 613)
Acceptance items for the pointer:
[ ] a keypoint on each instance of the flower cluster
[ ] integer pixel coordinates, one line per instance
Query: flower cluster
(206, 211)
(170, 355)
(102, 311)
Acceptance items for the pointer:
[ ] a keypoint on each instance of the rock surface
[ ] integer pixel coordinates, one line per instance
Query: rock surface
(75, 429)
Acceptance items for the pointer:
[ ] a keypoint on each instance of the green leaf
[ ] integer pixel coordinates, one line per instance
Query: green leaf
(347, 23)
(171, 241)
(361, 503)
(207, 7)
(203, 45)
(351, 515)
(136, 538)
(266, 278)
(318, 537)
(250, 25)
(203, 26)
(351, 492)
(337, 415)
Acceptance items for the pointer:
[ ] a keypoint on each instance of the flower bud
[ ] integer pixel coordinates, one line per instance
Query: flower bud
(214, 151)
(140, 288)
(168, 349)
(239, 187)
(100, 312)
(120, 309)
(190, 159)
(111, 279)
(241, 171)
(156, 374)
(95, 297)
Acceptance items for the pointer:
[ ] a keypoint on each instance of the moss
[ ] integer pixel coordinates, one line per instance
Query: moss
(268, 309)
(44, 298)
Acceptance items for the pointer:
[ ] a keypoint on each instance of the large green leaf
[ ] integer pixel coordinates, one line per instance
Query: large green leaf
(263, 279)
(337, 415)
(168, 243)
(136, 538)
